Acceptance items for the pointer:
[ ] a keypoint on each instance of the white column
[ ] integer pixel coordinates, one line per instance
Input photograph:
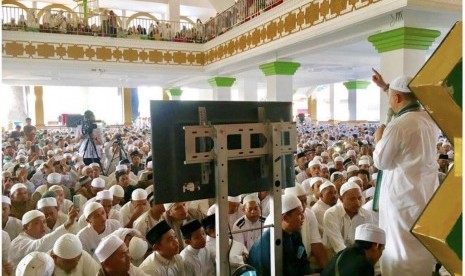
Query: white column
(248, 90)
(279, 80)
(174, 10)
(331, 101)
(402, 52)
(221, 88)
(353, 87)
(17, 112)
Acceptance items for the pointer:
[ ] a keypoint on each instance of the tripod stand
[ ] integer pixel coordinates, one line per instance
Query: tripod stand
(92, 158)
(121, 151)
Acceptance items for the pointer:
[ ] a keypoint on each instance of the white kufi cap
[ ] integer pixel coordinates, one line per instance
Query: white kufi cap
(55, 188)
(47, 202)
(149, 166)
(16, 187)
(54, 178)
(30, 215)
(105, 194)
(117, 191)
(352, 168)
(314, 180)
(364, 162)
(313, 163)
(139, 194)
(348, 186)
(236, 199)
(297, 190)
(400, 84)
(90, 208)
(6, 200)
(107, 247)
(251, 197)
(98, 183)
(370, 233)
(289, 202)
(36, 264)
(67, 247)
(137, 248)
(121, 167)
(325, 185)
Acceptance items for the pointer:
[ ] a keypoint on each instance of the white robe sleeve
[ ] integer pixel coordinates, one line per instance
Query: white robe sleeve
(333, 232)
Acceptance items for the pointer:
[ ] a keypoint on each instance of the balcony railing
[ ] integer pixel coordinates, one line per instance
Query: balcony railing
(57, 20)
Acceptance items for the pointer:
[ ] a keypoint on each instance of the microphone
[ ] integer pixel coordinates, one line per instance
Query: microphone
(390, 114)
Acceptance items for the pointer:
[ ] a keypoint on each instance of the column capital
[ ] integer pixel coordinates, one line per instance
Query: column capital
(175, 92)
(356, 84)
(279, 68)
(221, 81)
(404, 38)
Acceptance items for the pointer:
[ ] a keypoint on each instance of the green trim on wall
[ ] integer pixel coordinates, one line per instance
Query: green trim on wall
(279, 68)
(454, 239)
(404, 38)
(175, 92)
(356, 84)
(221, 82)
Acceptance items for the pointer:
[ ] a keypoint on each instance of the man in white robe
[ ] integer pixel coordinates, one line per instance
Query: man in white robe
(11, 225)
(406, 153)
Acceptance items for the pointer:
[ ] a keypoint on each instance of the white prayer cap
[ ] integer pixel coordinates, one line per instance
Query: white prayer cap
(47, 202)
(67, 247)
(58, 157)
(313, 163)
(297, 190)
(38, 162)
(352, 168)
(400, 84)
(350, 153)
(370, 233)
(6, 200)
(117, 191)
(55, 188)
(348, 186)
(150, 165)
(105, 194)
(251, 197)
(50, 152)
(94, 165)
(54, 178)
(16, 187)
(90, 208)
(66, 155)
(30, 215)
(137, 248)
(325, 185)
(339, 159)
(139, 194)
(107, 247)
(364, 162)
(306, 185)
(450, 154)
(366, 157)
(355, 178)
(36, 264)
(98, 183)
(21, 146)
(121, 167)
(20, 155)
(324, 154)
(236, 199)
(123, 232)
(446, 144)
(289, 202)
(314, 180)
(318, 158)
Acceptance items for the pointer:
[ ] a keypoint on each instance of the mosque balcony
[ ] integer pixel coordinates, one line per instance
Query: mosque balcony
(289, 31)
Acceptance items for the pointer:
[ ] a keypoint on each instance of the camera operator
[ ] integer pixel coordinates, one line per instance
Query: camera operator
(90, 139)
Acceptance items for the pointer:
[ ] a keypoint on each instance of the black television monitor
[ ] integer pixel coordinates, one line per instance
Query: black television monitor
(171, 175)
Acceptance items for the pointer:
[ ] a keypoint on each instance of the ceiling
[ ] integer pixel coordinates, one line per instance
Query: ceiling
(326, 59)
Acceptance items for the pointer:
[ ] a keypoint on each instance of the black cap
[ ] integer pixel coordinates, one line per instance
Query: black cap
(347, 161)
(135, 153)
(124, 162)
(443, 156)
(190, 227)
(209, 222)
(154, 235)
(84, 179)
(301, 154)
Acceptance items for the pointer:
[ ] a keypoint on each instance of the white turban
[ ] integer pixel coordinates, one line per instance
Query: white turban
(400, 84)
(117, 190)
(236, 199)
(98, 183)
(67, 247)
(90, 208)
(107, 247)
(289, 202)
(314, 163)
(105, 194)
(325, 185)
(47, 202)
(370, 233)
(30, 215)
(139, 194)
(16, 187)
(251, 197)
(348, 186)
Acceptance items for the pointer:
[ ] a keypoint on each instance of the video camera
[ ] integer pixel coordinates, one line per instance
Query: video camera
(118, 138)
(88, 126)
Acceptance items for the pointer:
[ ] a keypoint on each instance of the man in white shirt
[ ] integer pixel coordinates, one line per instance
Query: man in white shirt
(150, 218)
(54, 219)
(11, 225)
(341, 220)
(98, 227)
(165, 259)
(313, 170)
(114, 258)
(135, 208)
(328, 198)
(70, 259)
(251, 219)
(234, 212)
(197, 258)
(34, 237)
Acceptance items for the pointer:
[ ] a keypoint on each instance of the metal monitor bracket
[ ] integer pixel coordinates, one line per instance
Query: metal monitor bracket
(279, 140)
